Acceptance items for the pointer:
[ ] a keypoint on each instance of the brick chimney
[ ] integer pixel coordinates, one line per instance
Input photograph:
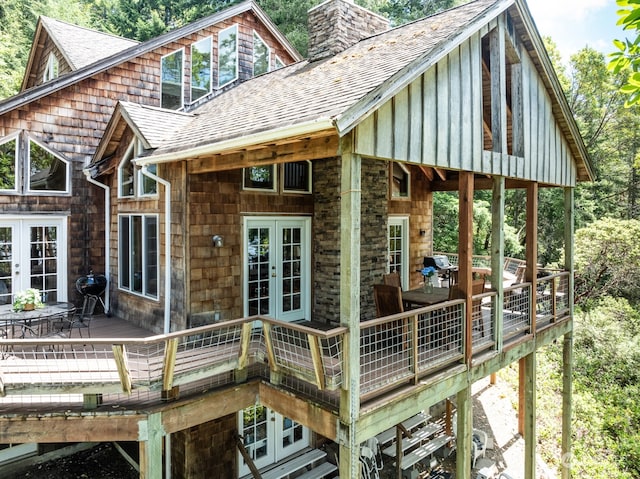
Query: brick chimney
(335, 25)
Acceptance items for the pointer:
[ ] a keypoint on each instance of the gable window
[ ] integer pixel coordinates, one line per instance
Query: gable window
(52, 69)
(200, 68)
(400, 180)
(261, 56)
(47, 172)
(131, 181)
(260, 178)
(279, 63)
(171, 80)
(138, 254)
(8, 164)
(297, 177)
(228, 55)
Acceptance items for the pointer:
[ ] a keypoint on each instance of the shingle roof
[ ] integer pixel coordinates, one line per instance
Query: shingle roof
(153, 124)
(82, 46)
(324, 90)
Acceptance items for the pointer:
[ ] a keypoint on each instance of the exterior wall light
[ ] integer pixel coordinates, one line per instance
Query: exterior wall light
(217, 240)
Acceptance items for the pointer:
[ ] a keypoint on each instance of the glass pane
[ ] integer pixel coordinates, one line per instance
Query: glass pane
(126, 173)
(254, 431)
(46, 171)
(151, 243)
(171, 71)
(136, 253)
(200, 68)
(291, 260)
(400, 182)
(259, 274)
(43, 260)
(6, 260)
(228, 55)
(296, 176)
(8, 165)
(260, 56)
(125, 253)
(148, 185)
(259, 177)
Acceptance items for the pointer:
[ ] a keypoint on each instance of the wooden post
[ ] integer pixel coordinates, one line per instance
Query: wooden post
(530, 416)
(350, 206)
(498, 88)
(150, 436)
(532, 247)
(521, 396)
(463, 433)
(465, 252)
(567, 352)
(497, 256)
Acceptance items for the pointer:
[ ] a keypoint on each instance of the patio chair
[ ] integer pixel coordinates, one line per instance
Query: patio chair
(81, 318)
(388, 300)
(479, 440)
(392, 279)
(368, 462)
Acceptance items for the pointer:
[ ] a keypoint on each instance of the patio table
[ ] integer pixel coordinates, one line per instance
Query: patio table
(36, 320)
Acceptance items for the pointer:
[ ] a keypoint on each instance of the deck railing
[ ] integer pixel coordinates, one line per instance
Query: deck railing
(398, 349)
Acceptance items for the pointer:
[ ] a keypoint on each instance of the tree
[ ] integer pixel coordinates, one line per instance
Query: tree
(607, 256)
(627, 58)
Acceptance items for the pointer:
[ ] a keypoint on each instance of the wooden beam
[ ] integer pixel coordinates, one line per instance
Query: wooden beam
(498, 88)
(530, 416)
(427, 172)
(151, 437)
(531, 247)
(479, 183)
(120, 357)
(465, 253)
(170, 351)
(463, 432)
(316, 358)
(299, 150)
(497, 255)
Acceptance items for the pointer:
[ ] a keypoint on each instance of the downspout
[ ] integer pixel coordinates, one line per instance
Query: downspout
(167, 245)
(107, 236)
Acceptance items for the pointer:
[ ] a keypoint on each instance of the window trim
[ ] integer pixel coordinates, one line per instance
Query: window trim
(27, 175)
(274, 172)
(134, 149)
(210, 39)
(180, 83)
(309, 179)
(144, 252)
(16, 175)
(220, 33)
(129, 151)
(257, 36)
(403, 222)
(278, 63)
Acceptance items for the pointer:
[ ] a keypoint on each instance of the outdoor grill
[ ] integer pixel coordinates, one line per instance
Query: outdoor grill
(93, 285)
(441, 264)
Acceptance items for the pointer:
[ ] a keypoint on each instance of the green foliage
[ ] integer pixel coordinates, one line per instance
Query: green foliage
(607, 259)
(627, 57)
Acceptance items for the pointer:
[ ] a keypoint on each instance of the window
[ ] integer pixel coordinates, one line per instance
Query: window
(279, 62)
(228, 55)
(297, 176)
(200, 68)
(52, 68)
(399, 181)
(131, 181)
(261, 56)
(138, 254)
(398, 249)
(8, 164)
(171, 80)
(47, 172)
(260, 178)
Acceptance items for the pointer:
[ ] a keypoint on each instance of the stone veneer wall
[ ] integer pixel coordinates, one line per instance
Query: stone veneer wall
(335, 25)
(206, 450)
(326, 231)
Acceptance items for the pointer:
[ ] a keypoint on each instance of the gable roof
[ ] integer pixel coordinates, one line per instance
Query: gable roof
(64, 81)
(339, 92)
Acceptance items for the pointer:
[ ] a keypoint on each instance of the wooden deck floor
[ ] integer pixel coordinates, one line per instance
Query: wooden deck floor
(113, 327)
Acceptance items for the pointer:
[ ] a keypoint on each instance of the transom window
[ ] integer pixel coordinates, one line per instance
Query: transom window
(200, 68)
(261, 55)
(138, 254)
(131, 181)
(171, 80)
(227, 55)
(52, 69)
(8, 164)
(294, 177)
(47, 171)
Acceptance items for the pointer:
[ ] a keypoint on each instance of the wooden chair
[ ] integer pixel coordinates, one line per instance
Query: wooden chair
(392, 279)
(388, 300)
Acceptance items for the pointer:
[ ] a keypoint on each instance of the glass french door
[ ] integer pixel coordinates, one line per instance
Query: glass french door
(277, 274)
(268, 436)
(398, 249)
(33, 255)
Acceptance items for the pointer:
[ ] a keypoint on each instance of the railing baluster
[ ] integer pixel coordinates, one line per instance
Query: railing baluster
(169, 364)
(120, 356)
(316, 357)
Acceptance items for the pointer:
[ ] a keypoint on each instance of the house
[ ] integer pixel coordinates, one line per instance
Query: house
(282, 199)
(50, 130)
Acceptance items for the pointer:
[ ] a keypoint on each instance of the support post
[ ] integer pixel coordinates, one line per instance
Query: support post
(464, 428)
(151, 436)
(530, 416)
(350, 206)
(497, 256)
(567, 351)
(465, 253)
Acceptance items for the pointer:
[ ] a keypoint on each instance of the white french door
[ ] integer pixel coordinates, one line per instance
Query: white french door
(33, 255)
(268, 437)
(398, 249)
(277, 272)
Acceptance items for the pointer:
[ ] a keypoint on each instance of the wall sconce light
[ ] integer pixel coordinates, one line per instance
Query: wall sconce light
(218, 242)
(423, 232)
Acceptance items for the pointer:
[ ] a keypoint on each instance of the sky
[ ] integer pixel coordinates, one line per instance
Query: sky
(573, 24)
